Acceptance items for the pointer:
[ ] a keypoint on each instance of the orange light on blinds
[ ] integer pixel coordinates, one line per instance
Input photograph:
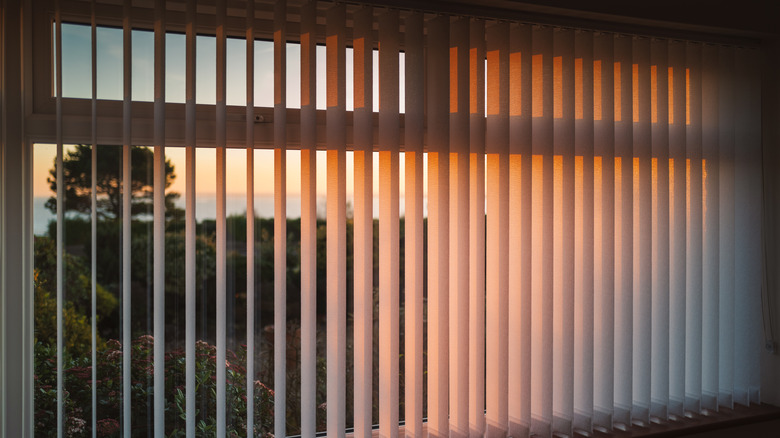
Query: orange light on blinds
(558, 87)
(332, 67)
(597, 90)
(704, 191)
(688, 190)
(654, 180)
(671, 95)
(578, 88)
(636, 179)
(598, 211)
(537, 79)
(637, 200)
(515, 90)
(671, 190)
(473, 88)
(653, 93)
(493, 105)
(359, 63)
(618, 224)
(277, 78)
(453, 79)
(305, 79)
(617, 95)
(687, 96)
(635, 86)
(558, 182)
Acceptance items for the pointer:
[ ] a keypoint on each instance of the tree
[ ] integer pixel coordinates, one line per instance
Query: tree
(78, 299)
(77, 176)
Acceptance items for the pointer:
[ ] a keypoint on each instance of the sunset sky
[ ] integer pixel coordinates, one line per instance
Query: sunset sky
(206, 178)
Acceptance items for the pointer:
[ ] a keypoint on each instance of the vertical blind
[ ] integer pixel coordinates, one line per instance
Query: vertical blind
(587, 255)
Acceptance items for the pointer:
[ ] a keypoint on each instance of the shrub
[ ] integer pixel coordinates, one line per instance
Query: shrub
(77, 393)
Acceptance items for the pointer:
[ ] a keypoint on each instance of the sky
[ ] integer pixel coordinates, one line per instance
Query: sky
(77, 73)
(236, 183)
(77, 83)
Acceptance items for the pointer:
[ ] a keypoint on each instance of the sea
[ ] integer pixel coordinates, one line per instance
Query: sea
(206, 208)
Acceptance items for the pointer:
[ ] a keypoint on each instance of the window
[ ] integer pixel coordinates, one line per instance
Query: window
(404, 219)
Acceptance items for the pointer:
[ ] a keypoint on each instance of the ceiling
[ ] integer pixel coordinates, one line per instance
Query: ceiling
(748, 16)
(746, 20)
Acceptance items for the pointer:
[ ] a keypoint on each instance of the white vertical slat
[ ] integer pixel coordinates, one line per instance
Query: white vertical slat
(695, 230)
(308, 218)
(127, 130)
(250, 217)
(519, 337)
(93, 221)
(747, 268)
(659, 131)
(710, 141)
(542, 229)
(497, 244)
(584, 122)
(221, 227)
(747, 194)
(14, 234)
(753, 239)
(477, 227)
(221, 280)
(438, 225)
(601, 227)
(60, 217)
(280, 217)
(616, 108)
(363, 220)
(563, 232)
(389, 250)
(17, 414)
(363, 43)
(726, 294)
(336, 219)
(459, 226)
(643, 232)
(413, 226)
(678, 258)
(189, 220)
(159, 219)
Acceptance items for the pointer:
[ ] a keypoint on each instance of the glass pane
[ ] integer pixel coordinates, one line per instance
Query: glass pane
(142, 68)
(76, 60)
(110, 59)
(175, 68)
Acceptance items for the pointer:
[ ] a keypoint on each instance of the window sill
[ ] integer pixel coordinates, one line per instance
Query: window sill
(701, 424)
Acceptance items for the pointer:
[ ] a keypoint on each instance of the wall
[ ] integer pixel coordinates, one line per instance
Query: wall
(770, 364)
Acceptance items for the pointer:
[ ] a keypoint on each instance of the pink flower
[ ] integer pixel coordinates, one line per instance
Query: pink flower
(113, 344)
(107, 427)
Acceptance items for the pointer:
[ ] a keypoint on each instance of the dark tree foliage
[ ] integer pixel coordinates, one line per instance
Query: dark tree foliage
(77, 174)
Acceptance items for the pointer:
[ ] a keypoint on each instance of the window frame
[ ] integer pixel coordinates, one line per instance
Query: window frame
(76, 118)
(36, 123)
